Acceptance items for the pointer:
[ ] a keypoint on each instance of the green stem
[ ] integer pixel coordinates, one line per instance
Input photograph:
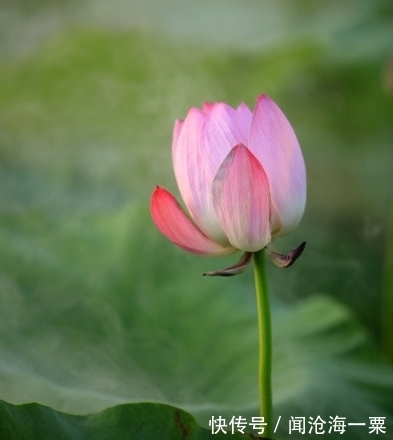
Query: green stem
(265, 341)
(387, 297)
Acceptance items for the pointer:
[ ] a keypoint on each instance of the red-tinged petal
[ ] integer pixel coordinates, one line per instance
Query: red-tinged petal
(241, 200)
(273, 141)
(171, 220)
(207, 106)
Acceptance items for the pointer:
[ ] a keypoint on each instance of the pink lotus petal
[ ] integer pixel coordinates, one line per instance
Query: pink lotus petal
(225, 127)
(171, 220)
(192, 176)
(241, 200)
(273, 141)
(205, 139)
(244, 116)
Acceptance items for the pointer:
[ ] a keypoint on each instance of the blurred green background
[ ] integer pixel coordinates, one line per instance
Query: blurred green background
(96, 307)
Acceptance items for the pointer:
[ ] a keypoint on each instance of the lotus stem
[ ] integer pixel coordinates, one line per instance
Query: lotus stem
(265, 341)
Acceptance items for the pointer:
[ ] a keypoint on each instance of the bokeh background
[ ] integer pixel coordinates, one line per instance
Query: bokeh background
(96, 307)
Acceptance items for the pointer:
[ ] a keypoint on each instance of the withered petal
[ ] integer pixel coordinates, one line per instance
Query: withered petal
(236, 269)
(285, 260)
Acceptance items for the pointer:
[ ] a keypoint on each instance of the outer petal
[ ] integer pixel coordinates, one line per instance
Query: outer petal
(273, 141)
(241, 200)
(200, 146)
(176, 131)
(171, 220)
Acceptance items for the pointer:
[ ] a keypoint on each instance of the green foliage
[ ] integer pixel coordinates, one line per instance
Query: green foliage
(126, 422)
